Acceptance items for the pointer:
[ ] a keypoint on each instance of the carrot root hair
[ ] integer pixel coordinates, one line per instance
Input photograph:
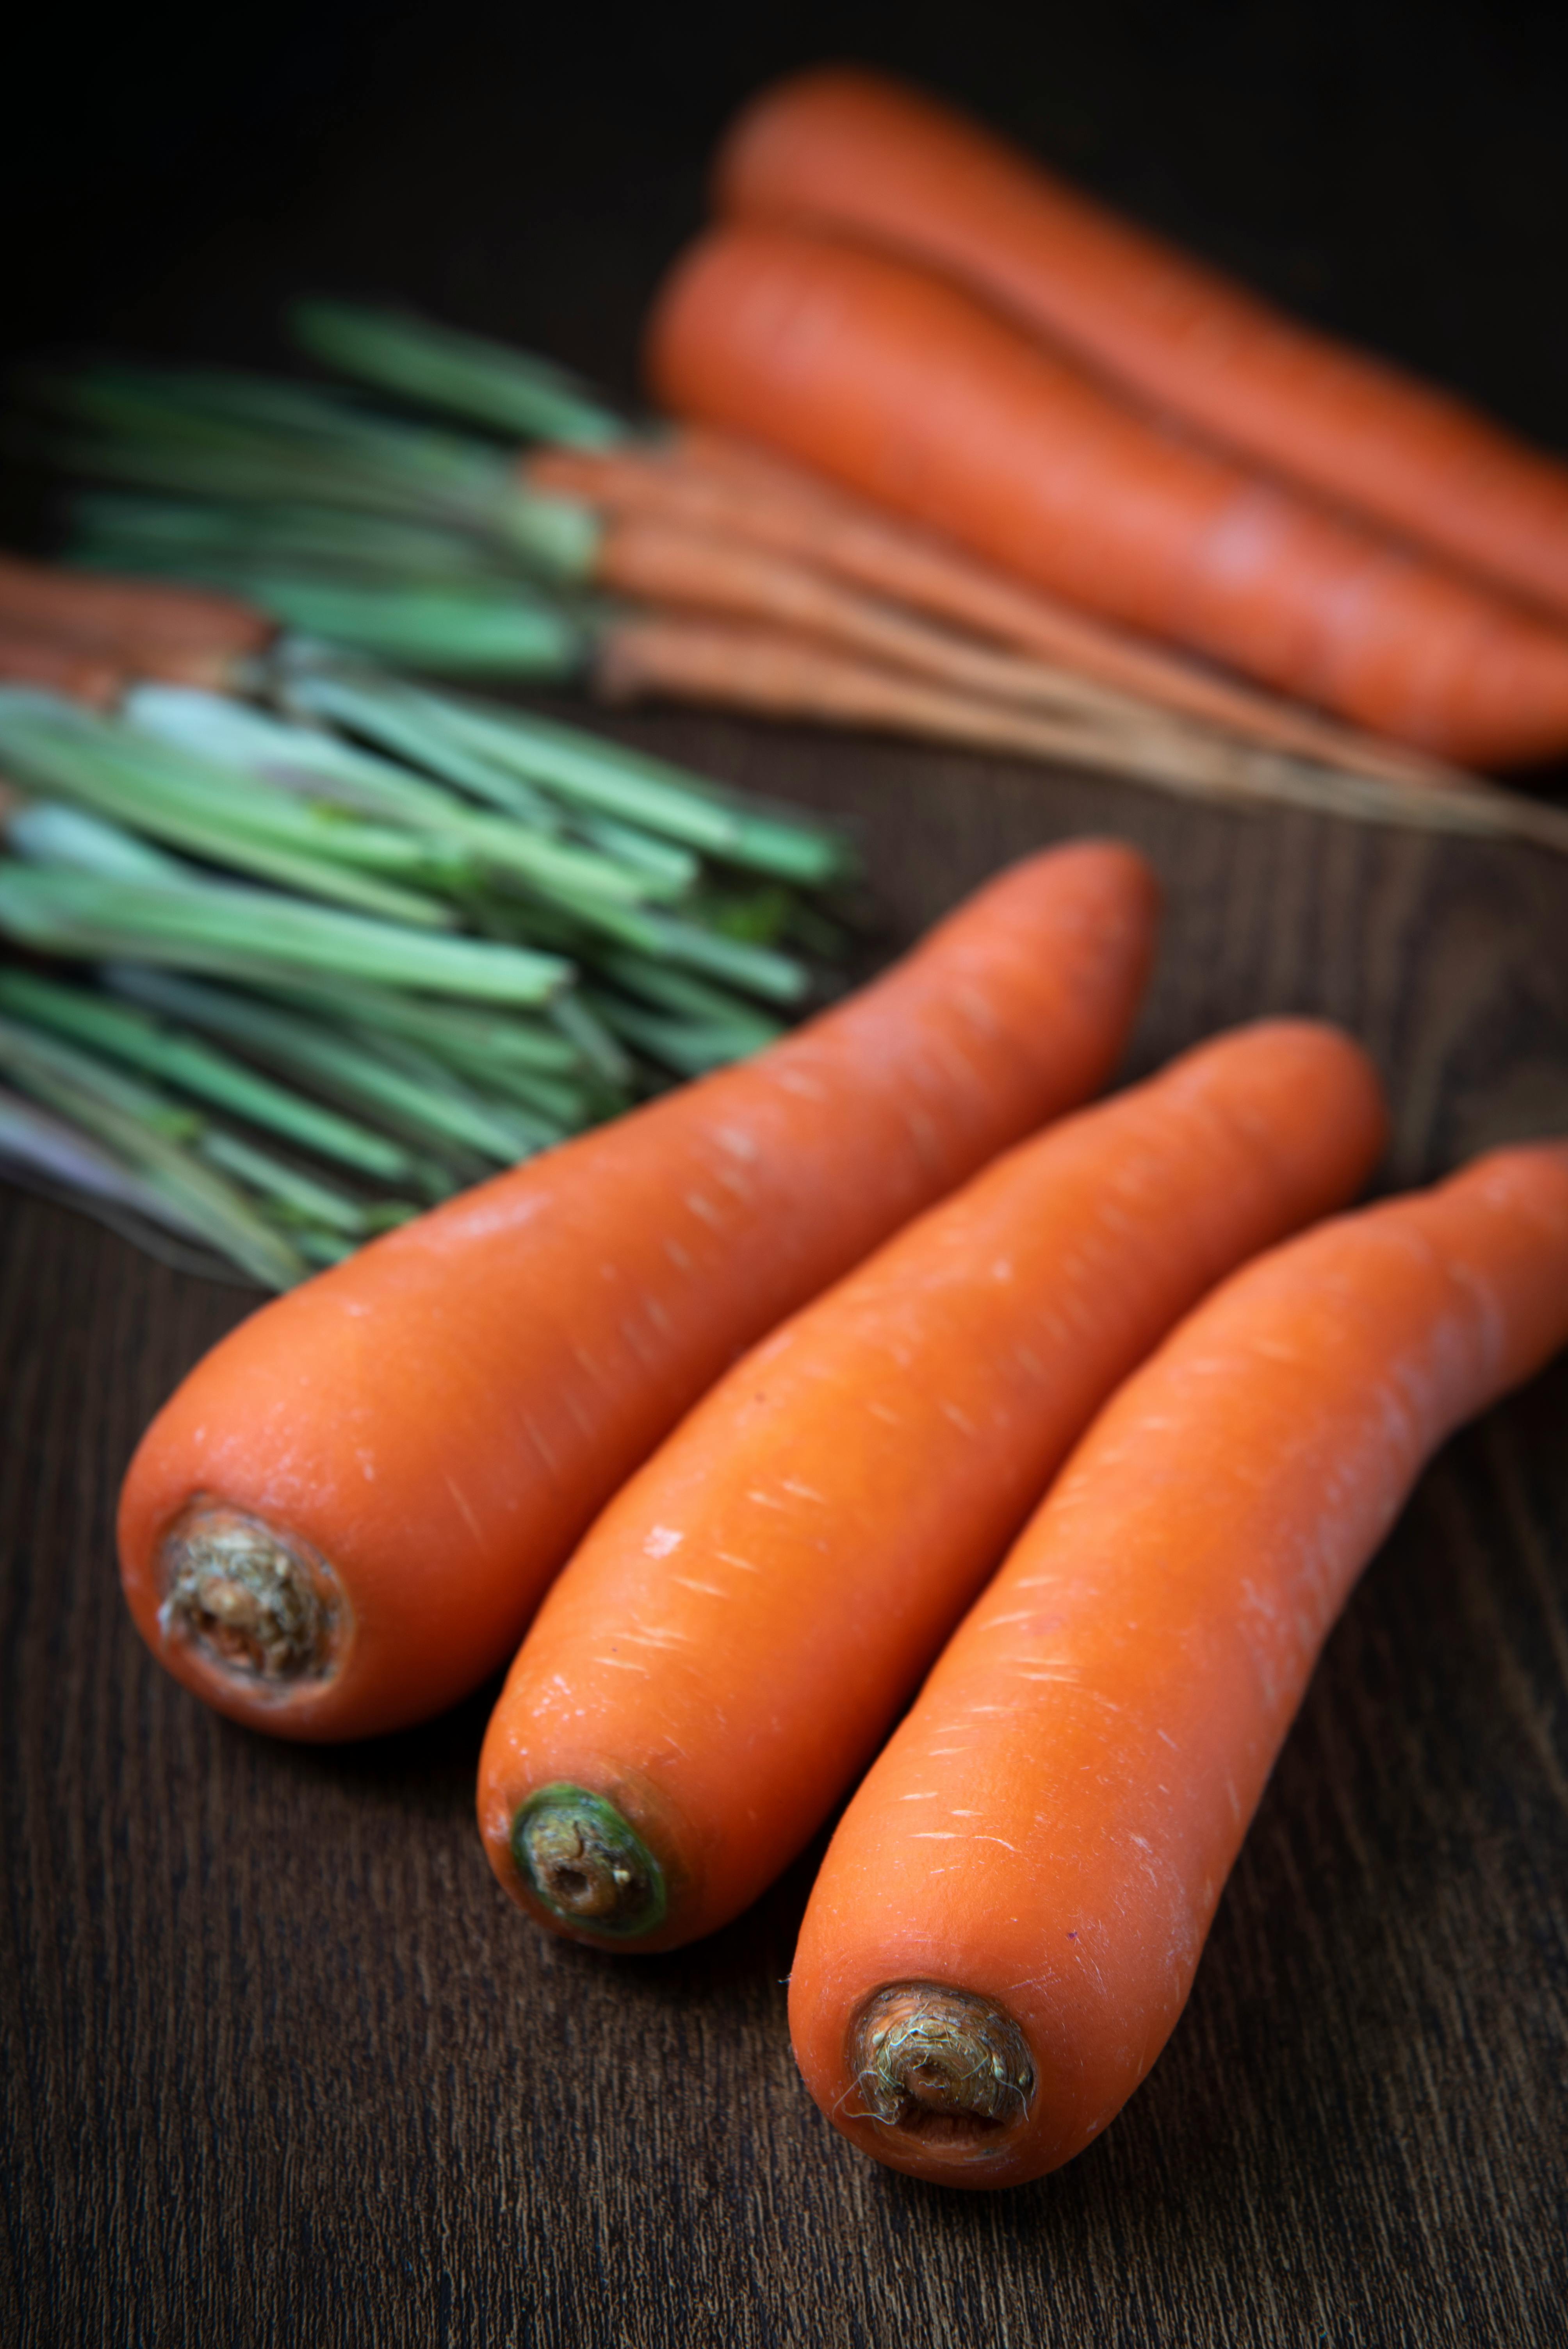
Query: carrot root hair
(586, 1864)
(255, 1604)
(940, 2064)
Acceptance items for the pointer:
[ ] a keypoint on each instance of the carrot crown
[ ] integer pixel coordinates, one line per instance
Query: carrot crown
(586, 1864)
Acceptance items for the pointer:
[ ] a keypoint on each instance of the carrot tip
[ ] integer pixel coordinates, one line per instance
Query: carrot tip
(586, 1864)
(941, 2064)
(255, 1604)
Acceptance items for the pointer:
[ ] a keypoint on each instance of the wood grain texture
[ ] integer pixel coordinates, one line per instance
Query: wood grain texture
(282, 2066)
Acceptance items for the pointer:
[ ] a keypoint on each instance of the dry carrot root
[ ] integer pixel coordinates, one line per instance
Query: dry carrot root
(726, 1650)
(707, 571)
(911, 393)
(1008, 1919)
(708, 480)
(854, 153)
(775, 673)
(347, 1515)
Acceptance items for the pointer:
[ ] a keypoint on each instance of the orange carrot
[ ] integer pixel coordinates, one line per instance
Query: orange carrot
(773, 673)
(905, 388)
(345, 1518)
(1008, 1919)
(61, 665)
(725, 1650)
(711, 571)
(710, 480)
(187, 634)
(853, 152)
(778, 674)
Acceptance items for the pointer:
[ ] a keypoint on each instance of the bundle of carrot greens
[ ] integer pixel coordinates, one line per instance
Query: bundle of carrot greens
(339, 957)
(678, 563)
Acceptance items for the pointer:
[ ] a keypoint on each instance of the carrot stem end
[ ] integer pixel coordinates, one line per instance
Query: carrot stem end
(254, 1603)
(941, 2064)
(586, 1865)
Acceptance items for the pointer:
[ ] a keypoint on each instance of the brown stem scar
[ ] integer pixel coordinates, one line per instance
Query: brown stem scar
(940, 2064)
(258, 1604)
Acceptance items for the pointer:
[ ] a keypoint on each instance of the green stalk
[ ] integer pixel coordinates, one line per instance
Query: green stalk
(249, 437)
(755, 968)
(46, 832)
(502, 1041)
(301, 1196)
(250, 934)
(691, 999)
(210, 812)
(31, 1138)
(466, 374)
(640, 789)
(195, 1067)
(480, 746)
(504, 1059)
(323, 1250)
(583, 1027)
(261, 746)
(316, 688)
(113, 531)
(469, 631)
(433, 1109)
(96, 1099)
(683, 1045)
(306, 759)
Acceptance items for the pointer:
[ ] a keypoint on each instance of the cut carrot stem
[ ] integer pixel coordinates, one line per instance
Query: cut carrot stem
(440, 1418)
(1051, 1827)
(907, 390)
(727, 1647)
(854, 153)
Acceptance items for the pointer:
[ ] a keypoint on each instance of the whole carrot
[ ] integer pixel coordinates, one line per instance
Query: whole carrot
(1008, 1919)
(726, 1648)
(904, 387)
(847, 150)
(345, 1518)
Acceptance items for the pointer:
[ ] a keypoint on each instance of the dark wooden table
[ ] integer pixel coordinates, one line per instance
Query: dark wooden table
(283, 2066)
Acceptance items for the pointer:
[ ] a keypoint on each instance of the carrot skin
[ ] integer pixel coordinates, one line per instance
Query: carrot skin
(440, 1418)
(856, 154)
(727, 1647)
(129, 617)
(1051, 1826)
(81, 672)
(903, 388)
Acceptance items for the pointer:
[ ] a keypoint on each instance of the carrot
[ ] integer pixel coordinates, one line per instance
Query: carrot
(1008, 1919)
(708, 480)
(779, 673)
(711, 571)
(61, 665)
(147, 623)
(902, 387)
(345, 1518)
(725, 1650)
(852, 152)
(776, 674)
